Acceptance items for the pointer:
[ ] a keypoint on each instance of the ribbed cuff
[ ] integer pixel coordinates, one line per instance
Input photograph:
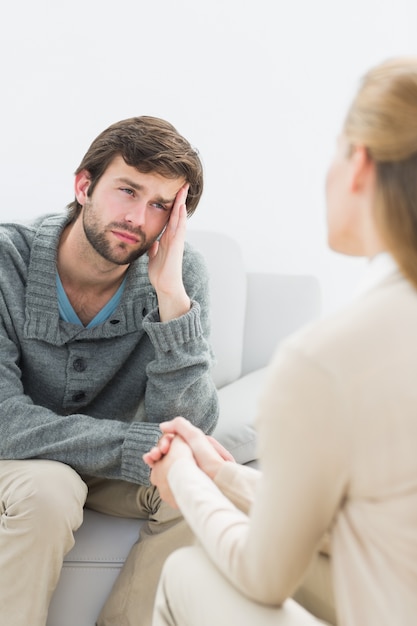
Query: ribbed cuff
(167, 336)
(141, 438)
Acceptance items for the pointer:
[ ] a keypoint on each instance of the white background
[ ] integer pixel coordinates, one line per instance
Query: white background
(259, 87)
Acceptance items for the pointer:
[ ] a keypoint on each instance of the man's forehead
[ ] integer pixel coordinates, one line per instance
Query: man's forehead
(119, 170)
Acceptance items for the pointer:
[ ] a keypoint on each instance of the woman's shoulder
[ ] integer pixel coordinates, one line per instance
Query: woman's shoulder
(380, 321)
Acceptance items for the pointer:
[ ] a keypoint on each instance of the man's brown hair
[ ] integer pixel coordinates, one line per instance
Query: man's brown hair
(149, 144)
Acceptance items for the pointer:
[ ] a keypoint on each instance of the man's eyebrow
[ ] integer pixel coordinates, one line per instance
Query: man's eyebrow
(131, 183)
(138, 187)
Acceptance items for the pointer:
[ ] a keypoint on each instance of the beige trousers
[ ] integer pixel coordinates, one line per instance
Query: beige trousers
(192, 592)
(41, 505)
(316, 592)
(131, 600)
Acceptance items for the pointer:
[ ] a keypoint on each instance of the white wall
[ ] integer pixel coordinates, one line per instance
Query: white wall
(260, 88)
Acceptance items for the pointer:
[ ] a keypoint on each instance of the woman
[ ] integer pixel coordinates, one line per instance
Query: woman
(337, 421)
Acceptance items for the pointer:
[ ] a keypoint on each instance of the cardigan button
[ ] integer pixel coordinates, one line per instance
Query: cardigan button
(79, 396)
(79, 365)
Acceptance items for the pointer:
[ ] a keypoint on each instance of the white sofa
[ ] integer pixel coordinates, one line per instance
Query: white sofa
(251, 313)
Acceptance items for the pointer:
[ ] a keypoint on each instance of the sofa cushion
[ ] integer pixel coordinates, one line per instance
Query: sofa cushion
(277, 305)
(227, 274)
(90, 569)
(238, 406)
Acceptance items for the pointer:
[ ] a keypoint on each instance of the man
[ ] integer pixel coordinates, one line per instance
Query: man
(104, 334)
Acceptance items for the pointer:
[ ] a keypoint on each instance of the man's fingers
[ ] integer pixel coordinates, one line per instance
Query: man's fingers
(153, 249)
(182, 194)
(178, 216)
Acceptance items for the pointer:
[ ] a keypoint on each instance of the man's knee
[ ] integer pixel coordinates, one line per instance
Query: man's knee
(43, 493)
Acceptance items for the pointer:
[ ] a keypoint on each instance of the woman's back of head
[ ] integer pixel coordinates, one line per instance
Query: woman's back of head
(383, 118)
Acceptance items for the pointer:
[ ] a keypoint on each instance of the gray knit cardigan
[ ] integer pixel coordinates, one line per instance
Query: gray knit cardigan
(72, 394)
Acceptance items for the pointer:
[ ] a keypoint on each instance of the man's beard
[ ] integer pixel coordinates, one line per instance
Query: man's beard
(120, 254)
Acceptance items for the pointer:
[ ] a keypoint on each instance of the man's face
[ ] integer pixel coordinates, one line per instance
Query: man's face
(127, 211)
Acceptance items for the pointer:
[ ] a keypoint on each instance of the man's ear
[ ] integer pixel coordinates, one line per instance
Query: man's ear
(81, 185)
(362, 168)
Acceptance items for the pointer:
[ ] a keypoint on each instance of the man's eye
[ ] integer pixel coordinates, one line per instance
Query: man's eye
(130, 192)
(160, 206)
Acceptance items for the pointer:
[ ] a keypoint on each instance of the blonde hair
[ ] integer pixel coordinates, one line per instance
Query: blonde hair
(383, 118)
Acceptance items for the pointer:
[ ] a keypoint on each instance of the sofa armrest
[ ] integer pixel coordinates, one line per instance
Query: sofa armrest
(238, 407)
(276, 306)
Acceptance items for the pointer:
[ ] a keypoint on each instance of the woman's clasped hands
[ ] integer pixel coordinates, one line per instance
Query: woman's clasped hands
(183, 441)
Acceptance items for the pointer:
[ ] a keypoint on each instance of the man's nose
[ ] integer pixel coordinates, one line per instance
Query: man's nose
(137, 214)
